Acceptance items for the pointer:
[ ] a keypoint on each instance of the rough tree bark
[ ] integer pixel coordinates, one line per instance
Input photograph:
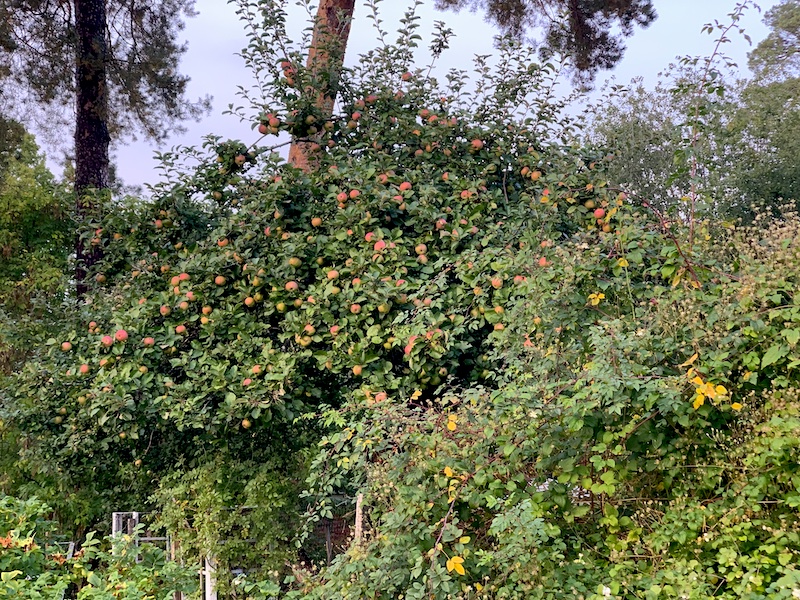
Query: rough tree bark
(91, 124)
(325, 59)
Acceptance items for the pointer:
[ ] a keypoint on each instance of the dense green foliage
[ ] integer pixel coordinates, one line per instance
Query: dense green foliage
(35, 565)
(34, 243)
(538, 388)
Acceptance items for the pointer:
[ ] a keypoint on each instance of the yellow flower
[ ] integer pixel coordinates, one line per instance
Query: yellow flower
(736, 406)
(622, 262)
(451, 423)
(448, 472)
(595, 299)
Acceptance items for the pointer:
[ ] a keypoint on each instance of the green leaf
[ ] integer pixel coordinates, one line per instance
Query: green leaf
(773, 355)
(792, 336)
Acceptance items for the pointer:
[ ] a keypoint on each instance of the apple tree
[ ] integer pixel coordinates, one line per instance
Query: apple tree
(250, 295)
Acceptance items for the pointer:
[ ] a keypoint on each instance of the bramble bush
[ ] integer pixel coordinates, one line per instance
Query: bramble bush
(540, 390)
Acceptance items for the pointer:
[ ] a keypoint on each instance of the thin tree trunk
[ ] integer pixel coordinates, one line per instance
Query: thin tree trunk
(326, 56)
(91, 124)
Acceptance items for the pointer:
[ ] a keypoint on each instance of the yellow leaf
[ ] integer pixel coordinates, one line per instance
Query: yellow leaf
(464, 539)
(698, 380)
(456, 564)
(448, 471)
(451, 425)
(736, 406)
(622, 262)
(708, 390)
(690, 360)
(416, 395)
(721, 390)
(698, 402)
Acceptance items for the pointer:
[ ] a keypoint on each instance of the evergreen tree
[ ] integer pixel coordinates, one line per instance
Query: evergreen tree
(591, 32)
(116, 61)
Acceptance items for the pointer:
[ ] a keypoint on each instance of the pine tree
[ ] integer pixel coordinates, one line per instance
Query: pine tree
(116, 61)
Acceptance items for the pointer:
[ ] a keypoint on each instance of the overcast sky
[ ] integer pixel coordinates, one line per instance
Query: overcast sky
(215, 35)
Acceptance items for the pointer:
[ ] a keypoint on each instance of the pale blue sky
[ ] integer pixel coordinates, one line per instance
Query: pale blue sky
(215, 35)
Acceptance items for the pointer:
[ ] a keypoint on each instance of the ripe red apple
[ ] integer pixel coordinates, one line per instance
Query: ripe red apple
(220, 280)
(599, 213)
(379, 245)
(335, 329)
(316, 222)
(246, 424)
(83, 369)
(121, 335)
(543, 261)
(405, 186)
(149, 342)
(333, 274)
(354, 194)
(180, 329)
(357, 370)
(246, 381)
(405, 76)
(476, 144)
(66, 346)
(249, 301)
(263, 129)
(107, 341)
(292, 286)
(497, 283)
(355, 308)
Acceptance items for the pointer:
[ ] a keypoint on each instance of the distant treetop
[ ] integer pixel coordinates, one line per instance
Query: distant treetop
(590, 32)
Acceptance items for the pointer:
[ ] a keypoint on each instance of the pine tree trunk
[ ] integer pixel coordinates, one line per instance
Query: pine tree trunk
(328, 45)
(91, 125)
